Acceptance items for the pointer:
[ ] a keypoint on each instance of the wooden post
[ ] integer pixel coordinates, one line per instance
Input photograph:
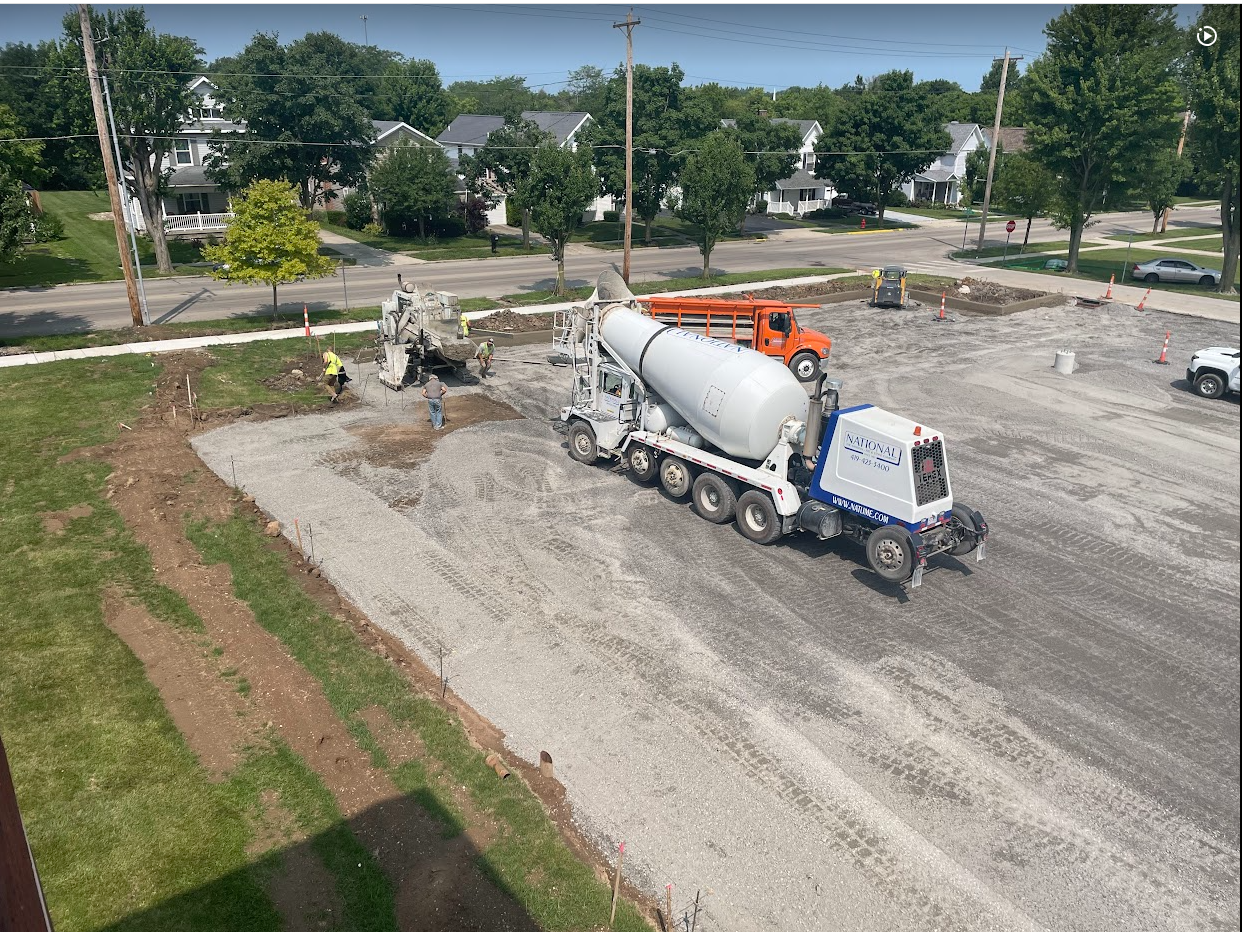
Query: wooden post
(298, 531)
(616, 884)
(987, 188)
(668, 907)
(628, 26)
(1181, 143)
(110, 168)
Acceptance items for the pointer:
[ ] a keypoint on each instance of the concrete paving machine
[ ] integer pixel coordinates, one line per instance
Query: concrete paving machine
(419, 330)
(735, 431)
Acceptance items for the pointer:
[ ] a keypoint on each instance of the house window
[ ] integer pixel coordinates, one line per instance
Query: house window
(193, 203)
(808, 161)
(807, 194)
(207, 113)
(183, 152)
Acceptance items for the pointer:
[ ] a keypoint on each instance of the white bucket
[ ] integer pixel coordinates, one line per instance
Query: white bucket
(1064, 362)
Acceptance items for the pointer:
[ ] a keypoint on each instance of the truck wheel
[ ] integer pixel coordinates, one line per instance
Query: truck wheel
(963, 515)
(757, 518)
(890, 554)
(643, 463)
(675, 476)
(804, 366)
(582, 445)
(714, 498)
(1210, 385)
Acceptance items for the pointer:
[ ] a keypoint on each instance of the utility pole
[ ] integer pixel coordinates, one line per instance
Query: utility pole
(628, 26)
(987, 188)
(1181, 143)
(128, 206)
(101, 124)
(365, 39)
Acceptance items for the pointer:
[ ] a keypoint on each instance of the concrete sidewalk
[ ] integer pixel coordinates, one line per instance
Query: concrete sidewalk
(362, 254)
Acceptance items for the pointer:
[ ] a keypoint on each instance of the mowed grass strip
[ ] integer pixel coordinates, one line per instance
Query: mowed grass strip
(120, 815)
(88, 251)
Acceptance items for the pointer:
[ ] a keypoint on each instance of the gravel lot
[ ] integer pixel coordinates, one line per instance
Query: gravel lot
(1046, 740)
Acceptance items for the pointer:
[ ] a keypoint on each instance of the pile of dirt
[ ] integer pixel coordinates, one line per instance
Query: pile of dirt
(507, 321)
(801, 294)
(994, 293)
(297, 373)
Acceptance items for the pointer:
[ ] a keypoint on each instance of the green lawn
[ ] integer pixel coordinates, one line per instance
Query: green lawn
(1098, 266)
(473, 246)
(1172, 233)
(848, 224)
(1014, 250)
(88, 251)
(1207, 241)
(130, 833)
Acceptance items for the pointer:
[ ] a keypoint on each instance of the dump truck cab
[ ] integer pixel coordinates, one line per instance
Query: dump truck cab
(769, 327)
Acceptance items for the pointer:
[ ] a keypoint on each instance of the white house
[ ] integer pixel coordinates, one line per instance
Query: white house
(469, 131)
(802, 191)
(941, 181)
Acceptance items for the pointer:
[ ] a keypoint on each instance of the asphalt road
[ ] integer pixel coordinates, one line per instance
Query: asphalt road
(1045, 740)
(98, 306)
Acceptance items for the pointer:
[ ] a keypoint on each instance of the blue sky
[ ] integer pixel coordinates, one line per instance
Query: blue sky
(773, 46)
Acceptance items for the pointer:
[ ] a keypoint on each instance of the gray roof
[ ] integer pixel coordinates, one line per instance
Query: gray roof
(959, 133)
(805, 125)
(560, 123)
(470, 129)
(936, 174)
(190, 176)
(800, 179)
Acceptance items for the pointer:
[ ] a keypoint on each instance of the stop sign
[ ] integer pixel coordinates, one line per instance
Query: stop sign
(1010, 226)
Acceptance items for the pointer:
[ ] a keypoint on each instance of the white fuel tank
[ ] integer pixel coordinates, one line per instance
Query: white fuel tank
(735, 397)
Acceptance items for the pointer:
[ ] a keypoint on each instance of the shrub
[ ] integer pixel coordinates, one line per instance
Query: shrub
(612, 216)
(474, 214)
(897, 198)
(761, 207)
(47, 227)
(513, 216)
(357, 210)
(446, 227)
(826, 213)
(334, 217)
(372, 229)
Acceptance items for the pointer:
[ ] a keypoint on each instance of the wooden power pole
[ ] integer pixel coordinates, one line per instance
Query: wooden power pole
(110, 168)
(1181, 144)
(987, 188)
(628, 26)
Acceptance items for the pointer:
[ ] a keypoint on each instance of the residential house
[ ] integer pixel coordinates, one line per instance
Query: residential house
(802, 191)
(1012, 138)
(469, 132)
(942, 180)
(388, 135)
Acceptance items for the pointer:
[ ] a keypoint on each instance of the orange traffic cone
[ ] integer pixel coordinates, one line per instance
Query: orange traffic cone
(1108, 295)
(1164, 350)
(306, 319)
(1144, 301)
(941, 317)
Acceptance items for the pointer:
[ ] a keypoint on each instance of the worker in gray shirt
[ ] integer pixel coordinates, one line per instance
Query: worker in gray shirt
(434, 391)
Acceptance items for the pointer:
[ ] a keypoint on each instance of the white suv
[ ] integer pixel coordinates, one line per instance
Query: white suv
(1214, 371)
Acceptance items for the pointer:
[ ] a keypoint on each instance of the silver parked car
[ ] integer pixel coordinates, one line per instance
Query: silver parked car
(1174, 270)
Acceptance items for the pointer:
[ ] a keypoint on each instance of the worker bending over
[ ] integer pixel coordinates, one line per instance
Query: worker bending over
(484, 356)
(334, 374)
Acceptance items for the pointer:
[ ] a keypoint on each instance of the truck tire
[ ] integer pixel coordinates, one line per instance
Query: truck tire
(642, 462)
(676, 477)
(890, 554)
(805, 367)
(582, 444)
(715, 498)
(757, 518)
(1209, 385)
(962, 513)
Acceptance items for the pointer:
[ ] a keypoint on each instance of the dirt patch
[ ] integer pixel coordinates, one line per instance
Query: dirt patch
(399, 743)
(304, 892)
(984, 292)
(507, 321)
(406, 444)
(209, 712)
(54, 521)
(995, 293)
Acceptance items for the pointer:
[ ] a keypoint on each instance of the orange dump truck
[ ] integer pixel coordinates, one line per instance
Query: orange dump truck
(769, 327)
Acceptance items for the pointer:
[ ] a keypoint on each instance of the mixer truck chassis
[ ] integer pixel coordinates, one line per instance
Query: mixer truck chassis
(736, 432)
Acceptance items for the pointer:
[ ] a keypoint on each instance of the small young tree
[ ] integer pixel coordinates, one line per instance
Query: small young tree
(1158, 182)
(15, 217)
(1024, 187)
(412, 185)
(558, 191)
(717, 184)
(270, 240)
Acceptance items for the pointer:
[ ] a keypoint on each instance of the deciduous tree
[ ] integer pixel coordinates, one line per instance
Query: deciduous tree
(413, 186)
(305, 120)
(1023, 187)
(1099, 99)
(1213, 81)
(270, 239)
(411, 91)
(1157, 182)
(560, 187)
(771, 149)
(503, 164)
(716, 184)
(14, 217)
(887, 133)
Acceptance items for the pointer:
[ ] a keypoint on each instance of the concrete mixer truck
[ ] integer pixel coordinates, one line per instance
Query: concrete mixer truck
(736, 432)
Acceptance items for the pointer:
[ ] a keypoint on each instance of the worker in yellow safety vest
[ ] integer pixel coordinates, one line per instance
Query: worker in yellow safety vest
(465, 326)
(484, 356)
(334, 374)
